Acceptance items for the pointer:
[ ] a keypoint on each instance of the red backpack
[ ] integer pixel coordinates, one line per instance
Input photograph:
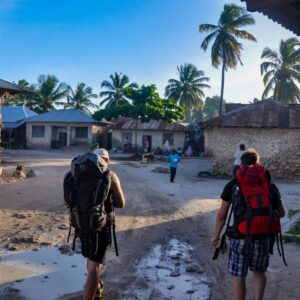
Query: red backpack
(259, 218)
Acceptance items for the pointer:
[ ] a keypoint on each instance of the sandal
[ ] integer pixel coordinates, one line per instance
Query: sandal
(100, 291)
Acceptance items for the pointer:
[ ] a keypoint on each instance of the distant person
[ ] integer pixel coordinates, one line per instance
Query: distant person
(147, 146)
(173, 163)
(126, 143)
(179, 152)
(158, 151)
(256, 209)
(237, 158)
(189, 151)
(91, 213)
(167, 147)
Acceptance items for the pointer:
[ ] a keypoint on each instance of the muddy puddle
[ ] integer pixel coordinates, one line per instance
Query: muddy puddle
(169, 272)
(45, 274)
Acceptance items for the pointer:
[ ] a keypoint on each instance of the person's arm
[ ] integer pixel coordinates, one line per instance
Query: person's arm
(117, 192)
(220, 221)
(280, 209)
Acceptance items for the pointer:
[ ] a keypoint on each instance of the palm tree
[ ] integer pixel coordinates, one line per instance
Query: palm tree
(115, 90)
(81, 98)
(281, 70)
(49, 91)
(27, 100)
(226, 49)
(188, 90)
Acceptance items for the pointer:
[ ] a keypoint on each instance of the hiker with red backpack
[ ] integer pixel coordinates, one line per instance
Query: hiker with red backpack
(254, 204)
(92, 191)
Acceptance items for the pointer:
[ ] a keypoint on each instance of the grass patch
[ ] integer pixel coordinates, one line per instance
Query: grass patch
(288, 238)
(292, 212)
(294, 230)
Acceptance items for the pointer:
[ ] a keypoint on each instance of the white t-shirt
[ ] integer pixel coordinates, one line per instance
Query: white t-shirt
(237, 156)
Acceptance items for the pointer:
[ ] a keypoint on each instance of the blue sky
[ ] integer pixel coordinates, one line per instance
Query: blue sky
(86, 41)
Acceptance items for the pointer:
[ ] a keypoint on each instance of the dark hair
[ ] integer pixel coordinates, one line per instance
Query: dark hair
(242, 147)
(250, 157)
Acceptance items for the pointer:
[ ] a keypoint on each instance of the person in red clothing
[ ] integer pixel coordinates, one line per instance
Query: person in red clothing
(254, 181)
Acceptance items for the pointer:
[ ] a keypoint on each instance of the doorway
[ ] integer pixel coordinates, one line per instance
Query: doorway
(147, 143)
(62, 139)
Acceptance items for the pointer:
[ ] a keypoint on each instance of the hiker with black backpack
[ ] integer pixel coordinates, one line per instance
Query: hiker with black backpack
(92, 191)
(252, 205)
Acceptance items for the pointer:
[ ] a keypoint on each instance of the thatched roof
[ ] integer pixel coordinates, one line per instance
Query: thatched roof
(263, 114)
(284, 12)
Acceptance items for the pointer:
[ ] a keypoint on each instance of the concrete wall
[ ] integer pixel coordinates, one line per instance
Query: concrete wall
(157, 138)
(279, 148)
(45, 142)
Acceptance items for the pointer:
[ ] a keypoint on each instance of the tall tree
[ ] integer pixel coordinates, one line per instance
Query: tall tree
(114, 93)
(146, 104)
(81, 98)
(49, 91)
(188, 90)
(226, 49)
(281, 70)
(27, 100)
(211, 107)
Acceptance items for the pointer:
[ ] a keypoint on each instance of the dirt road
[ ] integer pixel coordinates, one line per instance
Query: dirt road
(157, 214)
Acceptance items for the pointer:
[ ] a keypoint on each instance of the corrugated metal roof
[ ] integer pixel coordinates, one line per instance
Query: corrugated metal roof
(286, 13)
(12, 88)
(14, 116)
(151, 125)
(62, 116)
(267, 113)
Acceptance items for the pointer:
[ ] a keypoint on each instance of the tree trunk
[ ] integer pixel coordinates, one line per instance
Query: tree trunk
(136, 131)
(222, 86)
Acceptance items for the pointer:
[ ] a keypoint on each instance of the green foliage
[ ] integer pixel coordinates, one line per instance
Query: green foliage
(146, 105)
(294, 230)
(281, 70)
(115, 90)
(47, 92)
(81, 98)
(292, 212)
(226, 48)
(27, 100)
(188, 90)
(211, 107)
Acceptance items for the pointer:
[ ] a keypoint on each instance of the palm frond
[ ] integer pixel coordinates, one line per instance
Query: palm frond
(207, 27)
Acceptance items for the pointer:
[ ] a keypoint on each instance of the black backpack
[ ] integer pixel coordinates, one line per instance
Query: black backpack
(87, 193)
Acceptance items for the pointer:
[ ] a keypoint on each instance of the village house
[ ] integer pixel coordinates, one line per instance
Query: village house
(14, 127)
(153, 134)
(269, 126)
(61, 128)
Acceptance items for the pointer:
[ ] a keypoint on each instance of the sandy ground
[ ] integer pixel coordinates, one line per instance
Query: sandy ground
(33, 217)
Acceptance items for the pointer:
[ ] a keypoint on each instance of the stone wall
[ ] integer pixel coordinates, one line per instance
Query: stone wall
(279, 149)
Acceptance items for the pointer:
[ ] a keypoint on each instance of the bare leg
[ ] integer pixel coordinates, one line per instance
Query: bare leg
(259, 284)
(92, 280)
(239, 288)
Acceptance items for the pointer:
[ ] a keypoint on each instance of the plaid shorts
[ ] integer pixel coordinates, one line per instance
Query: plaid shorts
(258, 258)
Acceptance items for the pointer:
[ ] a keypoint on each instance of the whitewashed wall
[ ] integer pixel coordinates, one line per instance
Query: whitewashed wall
(157, 138)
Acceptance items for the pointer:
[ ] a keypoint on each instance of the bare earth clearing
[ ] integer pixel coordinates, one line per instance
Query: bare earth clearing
(171, 224)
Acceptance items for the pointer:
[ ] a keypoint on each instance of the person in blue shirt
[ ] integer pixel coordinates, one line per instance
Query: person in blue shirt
(173, 163)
